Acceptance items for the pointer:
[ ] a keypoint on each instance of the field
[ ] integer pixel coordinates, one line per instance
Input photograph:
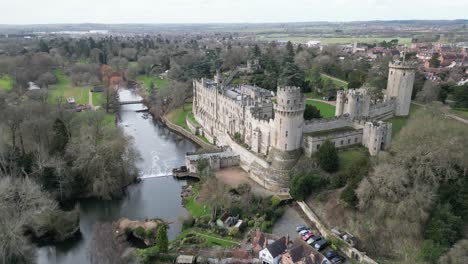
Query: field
(6, 83)
(336, 81)
(326, 110)
(350, 156)
(65, 89)
(146, 80)
(399, 122)
(178, 116)
(460, 112)
(209, 239)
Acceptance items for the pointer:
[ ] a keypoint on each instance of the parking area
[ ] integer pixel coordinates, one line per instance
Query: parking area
(286, 225)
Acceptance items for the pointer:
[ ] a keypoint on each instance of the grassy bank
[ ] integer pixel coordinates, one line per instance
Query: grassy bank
(326, 110)
(6, 83)
(399, 122)
(146, 81)
(336, 81)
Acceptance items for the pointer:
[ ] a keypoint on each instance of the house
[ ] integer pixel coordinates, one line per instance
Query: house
(272, 253)
(33, 86)
(261, 240)
(301, 253)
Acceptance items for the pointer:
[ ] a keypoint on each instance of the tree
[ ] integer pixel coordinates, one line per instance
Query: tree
(328, 156)
(434, 62)
(292, 76)
(311, 112)
(461, 96)
(60, 138)
(458, 254)
(162, 243)
(302, 185)
(444, 228)
(429, 93)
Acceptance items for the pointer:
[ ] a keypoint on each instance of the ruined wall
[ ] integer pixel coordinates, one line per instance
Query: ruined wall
(377, 136)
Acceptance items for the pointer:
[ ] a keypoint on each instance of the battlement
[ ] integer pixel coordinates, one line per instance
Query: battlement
(288, 89)
(402, 65)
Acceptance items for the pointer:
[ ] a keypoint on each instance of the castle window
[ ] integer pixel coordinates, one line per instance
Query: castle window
(286, 133)
(285, 146)
(355, 140)
(318, 146)
(391, 73)
(341, 142)
(288, 101)
(349, 141)
(404, 74)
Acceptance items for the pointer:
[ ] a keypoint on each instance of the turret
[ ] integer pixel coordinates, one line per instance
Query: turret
(400, 86)
(289, 119)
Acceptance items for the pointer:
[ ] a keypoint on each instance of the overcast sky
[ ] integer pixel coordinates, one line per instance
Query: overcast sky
(203, 11)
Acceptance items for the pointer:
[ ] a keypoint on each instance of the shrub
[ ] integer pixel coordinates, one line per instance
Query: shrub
(444, 228)
(188, 222)
(162, 242)
(328, 157)
(302, 186)
(431, 251)
(275, 200)
(349, 195)
(139, 231)
(266, 227)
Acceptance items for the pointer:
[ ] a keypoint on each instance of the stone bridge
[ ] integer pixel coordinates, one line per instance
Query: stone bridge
(131, 102)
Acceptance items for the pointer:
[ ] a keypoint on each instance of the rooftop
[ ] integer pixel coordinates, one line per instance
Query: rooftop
(331, 131)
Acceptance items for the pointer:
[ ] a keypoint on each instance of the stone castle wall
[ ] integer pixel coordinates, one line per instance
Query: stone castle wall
(400, 86)
(315, 125)
(341, 140)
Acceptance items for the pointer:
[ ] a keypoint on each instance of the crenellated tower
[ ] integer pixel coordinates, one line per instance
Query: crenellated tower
(289, 119)
(400, 86)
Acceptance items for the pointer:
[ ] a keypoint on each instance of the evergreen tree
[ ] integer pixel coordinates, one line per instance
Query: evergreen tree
(43, 46)
(292, 75)
(289, 56)
(434, 62)
(311, 112)
(461, 96)
(60, 138)
(162, 242)
(328, 157)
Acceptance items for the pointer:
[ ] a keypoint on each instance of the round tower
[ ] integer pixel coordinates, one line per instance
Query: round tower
(289, 119)
(400, 86)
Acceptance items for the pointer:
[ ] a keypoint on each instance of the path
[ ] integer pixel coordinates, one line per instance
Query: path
(323, 101)
(457, 118)
(334, 78)
(217, 238)
(90, 99)
(235, 176)
(287, 223)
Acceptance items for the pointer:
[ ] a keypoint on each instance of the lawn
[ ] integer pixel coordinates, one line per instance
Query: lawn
(399, 122)
(313, 95)
(350, 156)
(98, 99)
(6, 83)
(326, 110)
(209, 239)
(146, 80)
(178, 116)
(195, 208)
(65, 89)
(336, 81)
(460, 112)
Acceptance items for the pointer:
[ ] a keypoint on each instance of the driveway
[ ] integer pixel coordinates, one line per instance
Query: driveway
(288, 222)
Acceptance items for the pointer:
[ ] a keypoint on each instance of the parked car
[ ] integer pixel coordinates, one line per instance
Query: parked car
(333, 257)
(301, 228)
(307, 236)
(304, 232)
(319, 242)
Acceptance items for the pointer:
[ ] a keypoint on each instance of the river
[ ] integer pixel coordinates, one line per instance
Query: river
(157, 195)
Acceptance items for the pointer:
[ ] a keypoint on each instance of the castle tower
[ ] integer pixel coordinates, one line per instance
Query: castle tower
(289, 119)
(400, 86)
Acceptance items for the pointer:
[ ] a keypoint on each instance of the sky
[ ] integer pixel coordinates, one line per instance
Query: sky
(224, 11)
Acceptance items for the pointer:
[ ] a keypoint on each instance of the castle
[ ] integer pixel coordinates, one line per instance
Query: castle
(270, 135)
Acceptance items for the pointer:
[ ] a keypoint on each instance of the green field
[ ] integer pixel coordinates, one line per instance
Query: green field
(399, 122)
(326, 110)
(65, 89)
(98, 99)
(178, 116)
(350, 156)
(6, 83)
(460, 112)
(146, 80)
(209, 239)
(336, 81)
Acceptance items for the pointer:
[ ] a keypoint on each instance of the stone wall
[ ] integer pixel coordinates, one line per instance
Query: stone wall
(315, 125)
(216, 161)
(341, 140)
(350, 251)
